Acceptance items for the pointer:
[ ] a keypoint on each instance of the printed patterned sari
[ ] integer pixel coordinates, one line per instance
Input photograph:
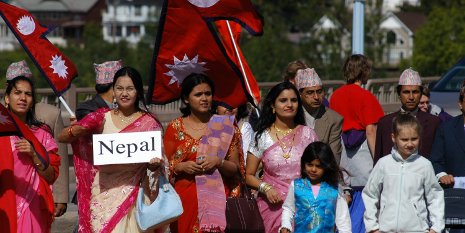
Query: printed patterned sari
(107, 194)
(181, 147)
(280, 171)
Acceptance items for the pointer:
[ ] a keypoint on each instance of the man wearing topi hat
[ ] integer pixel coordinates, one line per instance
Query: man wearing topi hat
(51, 116)
(326, 122)
(409, 91)
(104, 74)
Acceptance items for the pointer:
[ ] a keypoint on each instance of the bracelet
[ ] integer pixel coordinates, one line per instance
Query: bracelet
(264, 187)
(70, 131)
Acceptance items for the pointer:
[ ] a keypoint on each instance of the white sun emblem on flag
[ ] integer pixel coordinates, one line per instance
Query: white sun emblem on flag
(203, 3)
(181, 69)
(4, 119)
(26, 25)
(58, 66)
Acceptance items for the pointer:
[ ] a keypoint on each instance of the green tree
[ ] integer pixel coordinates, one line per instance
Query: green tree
(440, 42)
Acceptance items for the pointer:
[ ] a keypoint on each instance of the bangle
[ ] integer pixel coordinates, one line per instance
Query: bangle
(70, 131)
(264, 187)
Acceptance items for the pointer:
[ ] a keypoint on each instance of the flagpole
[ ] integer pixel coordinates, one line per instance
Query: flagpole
(67, 107)
(242, 66)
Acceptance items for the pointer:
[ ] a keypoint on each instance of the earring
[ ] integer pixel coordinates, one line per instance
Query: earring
(274, 111)
(115, 104)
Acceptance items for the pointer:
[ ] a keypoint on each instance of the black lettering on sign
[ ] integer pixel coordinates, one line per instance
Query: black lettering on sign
(104, 145)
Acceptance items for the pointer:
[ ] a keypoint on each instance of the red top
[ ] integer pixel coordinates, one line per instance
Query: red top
(358, 107)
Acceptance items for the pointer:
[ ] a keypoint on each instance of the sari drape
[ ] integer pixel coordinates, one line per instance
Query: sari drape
(107, 194)
(279, 172)
(181, 147)
(26, 201)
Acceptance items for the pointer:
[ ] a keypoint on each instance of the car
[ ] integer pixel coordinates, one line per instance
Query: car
(445, 92)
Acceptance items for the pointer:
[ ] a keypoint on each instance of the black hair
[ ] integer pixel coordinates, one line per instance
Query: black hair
(136, 78)
(405, 119)
(321, 151)
(267, 117)
(31, 119)
(103, 88)
(242, 111)
(188, 85)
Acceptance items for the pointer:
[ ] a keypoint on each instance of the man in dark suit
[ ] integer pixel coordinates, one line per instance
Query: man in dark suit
(105, 73)
(409, 91)
(326, 122)
(448, 153)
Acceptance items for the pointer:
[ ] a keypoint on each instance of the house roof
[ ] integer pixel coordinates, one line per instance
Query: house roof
(55, 5)
(413, 20)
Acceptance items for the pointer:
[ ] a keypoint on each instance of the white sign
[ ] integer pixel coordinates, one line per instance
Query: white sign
(123, 148)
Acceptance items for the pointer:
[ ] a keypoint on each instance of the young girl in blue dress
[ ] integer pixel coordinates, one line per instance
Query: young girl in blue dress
(313, 203)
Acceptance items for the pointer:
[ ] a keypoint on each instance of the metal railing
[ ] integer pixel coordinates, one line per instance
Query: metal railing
(383, 89)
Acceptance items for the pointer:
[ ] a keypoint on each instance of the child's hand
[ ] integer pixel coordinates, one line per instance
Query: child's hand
(447, 180)
(284, 230)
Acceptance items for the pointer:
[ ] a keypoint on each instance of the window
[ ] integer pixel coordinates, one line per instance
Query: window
(133, 30)
(137, 10)
(391, 38)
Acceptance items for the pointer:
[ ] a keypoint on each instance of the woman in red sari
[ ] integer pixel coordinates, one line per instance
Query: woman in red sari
(107, 193)
(26, 201)
(188, 144)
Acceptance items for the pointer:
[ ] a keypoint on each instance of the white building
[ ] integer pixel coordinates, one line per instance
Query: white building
(127, 19)
(399, 29)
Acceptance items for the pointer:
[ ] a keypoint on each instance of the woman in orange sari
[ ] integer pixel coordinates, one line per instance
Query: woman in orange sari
(196, 162)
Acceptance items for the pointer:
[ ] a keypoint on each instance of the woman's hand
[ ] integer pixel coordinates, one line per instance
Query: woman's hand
(23, 146)
(209, 163)
(284, 230)
(189, 167)
(273, 196)
(154, 164)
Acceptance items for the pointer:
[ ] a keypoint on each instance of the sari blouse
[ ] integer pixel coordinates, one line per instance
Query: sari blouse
(181, 147)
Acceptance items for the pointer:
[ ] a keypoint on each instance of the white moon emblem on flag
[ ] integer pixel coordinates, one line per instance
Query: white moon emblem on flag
(58, 66)
(203, 3)
(26, 25)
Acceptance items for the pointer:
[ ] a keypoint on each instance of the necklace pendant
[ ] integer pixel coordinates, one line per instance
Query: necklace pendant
(286, 155)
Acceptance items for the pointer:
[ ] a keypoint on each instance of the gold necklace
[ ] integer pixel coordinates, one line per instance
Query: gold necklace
(283, 146)
(126, 119)
(283, 132)
(191, 122)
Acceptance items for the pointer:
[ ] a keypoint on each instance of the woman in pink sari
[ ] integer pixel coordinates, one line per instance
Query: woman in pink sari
(280, 140)
(26, 201)
(107, 193)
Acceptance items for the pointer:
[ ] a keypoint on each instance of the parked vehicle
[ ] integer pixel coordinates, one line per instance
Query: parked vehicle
(445, 92)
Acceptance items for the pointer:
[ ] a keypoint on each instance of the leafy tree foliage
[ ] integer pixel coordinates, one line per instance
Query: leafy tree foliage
(440, 42)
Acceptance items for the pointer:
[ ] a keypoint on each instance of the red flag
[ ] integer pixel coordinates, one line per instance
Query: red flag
(12, 125)
(227, 29)
(53, 65)
(187, 42)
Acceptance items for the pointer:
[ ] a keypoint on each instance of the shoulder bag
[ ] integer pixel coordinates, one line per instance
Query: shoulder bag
(166, 208)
